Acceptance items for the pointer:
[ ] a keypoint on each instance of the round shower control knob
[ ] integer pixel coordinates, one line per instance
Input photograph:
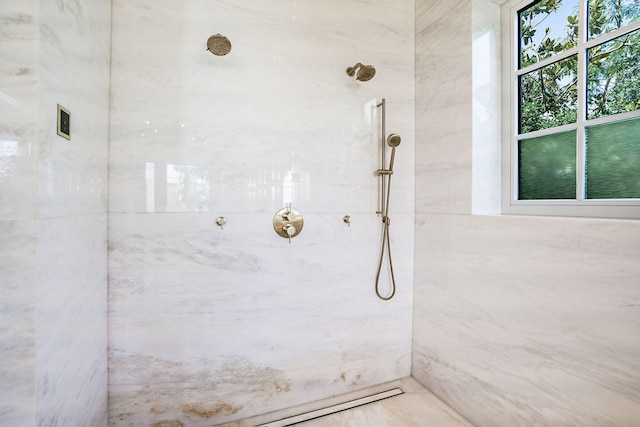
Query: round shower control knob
(288, 223)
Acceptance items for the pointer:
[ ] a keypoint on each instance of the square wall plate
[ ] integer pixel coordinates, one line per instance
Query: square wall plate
(64, 122)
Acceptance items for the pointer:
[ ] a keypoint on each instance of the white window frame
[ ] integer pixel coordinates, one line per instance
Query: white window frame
(580, 207)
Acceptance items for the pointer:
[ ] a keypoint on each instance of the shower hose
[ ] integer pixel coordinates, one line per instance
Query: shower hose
(386, 244)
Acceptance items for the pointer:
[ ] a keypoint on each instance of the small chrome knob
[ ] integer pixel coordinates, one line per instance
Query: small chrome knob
(290, 230)
(221, 221)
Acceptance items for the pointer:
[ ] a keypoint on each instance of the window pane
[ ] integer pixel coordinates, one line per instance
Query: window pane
(548, 96)
(608, 15)
(613, 160)
(547, 167)
(613, 77)
(546, 28)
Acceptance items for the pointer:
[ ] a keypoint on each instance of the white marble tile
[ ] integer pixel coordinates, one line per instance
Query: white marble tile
(279, 103)
(487, 113)
(522, 320)
(17, 322)
(444, 108)
(53, 256)
(18, 230)
(73, 71)
(430, 12)
(258, 324)
(18, 101)
(71, 324)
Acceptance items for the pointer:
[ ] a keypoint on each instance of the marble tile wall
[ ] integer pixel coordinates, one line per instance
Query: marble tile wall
(18, 229)
(208, 325)
(518, 321)
(443, 107)
(53, 252)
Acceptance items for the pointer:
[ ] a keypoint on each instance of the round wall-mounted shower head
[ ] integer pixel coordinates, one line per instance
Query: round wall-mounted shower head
(218, 45)
(365, 72)
(393, 140)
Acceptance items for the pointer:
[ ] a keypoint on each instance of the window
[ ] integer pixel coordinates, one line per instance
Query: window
(571, 143)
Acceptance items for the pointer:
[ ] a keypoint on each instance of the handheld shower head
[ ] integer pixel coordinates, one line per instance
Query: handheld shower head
(393, 140)
(365, 72)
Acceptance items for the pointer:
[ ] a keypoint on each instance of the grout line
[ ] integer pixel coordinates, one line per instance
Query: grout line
(333, 409)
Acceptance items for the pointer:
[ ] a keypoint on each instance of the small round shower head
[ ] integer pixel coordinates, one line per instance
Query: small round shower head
(219, 45)
(365, 72)
(393, 140)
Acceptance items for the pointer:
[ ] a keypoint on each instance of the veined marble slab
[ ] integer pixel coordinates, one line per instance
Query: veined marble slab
(210, 325)
(53, 253)
(255, 323)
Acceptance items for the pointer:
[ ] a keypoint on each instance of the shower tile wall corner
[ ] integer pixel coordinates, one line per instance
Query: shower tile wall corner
(517, 320)
(221, 324)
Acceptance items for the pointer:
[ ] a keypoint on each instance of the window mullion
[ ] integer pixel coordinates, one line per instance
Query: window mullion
(547, 61)
(611, 35)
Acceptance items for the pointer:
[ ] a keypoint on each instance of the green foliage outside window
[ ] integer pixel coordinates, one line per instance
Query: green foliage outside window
(613, 77)
(540, 35)
(549, 96)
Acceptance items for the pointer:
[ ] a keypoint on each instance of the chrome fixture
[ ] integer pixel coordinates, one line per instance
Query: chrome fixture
(219, 45)
(288, 222)
(365, 72)
(393, 141)
(221, 221)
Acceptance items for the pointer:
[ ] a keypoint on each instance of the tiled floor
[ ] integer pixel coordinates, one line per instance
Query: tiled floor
(416, 407)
